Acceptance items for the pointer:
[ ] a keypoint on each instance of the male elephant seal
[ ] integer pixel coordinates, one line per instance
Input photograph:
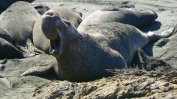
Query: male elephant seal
(39, 40)
(137, 18)
(7, 49)
(83, 56)
(19, 20)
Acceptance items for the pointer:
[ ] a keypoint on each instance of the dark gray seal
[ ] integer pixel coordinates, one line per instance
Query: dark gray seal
(7, 49)
(83, 56)
(137, 18)
(19, 20)
(39, 40)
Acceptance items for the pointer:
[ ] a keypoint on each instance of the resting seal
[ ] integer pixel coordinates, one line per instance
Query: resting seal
(139, 19)
(83, 56)
(19, 20)
(39, 40)
(7, 49)
(41, 9)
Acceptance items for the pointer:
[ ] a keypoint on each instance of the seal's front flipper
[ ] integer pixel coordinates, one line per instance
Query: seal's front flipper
(25, 55)
(32, 48)
(39, 70)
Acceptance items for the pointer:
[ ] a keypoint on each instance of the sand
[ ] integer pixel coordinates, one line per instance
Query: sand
(159, 85)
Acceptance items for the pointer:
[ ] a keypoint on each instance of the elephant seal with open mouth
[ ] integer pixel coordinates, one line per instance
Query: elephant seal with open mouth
(83, 56)
(39, 40)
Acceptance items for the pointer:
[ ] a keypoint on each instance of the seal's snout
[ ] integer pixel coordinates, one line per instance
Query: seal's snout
(49, 25)
(50, 14)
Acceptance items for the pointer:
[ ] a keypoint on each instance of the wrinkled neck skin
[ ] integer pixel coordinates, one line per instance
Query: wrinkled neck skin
(67, 35)
(84, 59)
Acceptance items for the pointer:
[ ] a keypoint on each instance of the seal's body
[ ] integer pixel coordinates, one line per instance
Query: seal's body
(137, 18)
(7, 49)
(19, 20)
(86, 55)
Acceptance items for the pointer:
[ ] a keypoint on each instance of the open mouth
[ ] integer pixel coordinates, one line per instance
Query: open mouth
(55, 46)
(52, 29)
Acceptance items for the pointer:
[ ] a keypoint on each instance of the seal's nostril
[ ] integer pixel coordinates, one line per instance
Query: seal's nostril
(50, 13)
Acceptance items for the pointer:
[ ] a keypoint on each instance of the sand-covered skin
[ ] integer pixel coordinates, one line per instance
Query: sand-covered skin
(161, 85)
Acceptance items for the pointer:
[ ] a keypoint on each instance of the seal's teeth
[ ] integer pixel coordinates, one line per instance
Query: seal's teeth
(54, 46)
(53, 50)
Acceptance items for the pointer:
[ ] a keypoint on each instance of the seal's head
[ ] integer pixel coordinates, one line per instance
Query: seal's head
(58, 31)
(155, 14)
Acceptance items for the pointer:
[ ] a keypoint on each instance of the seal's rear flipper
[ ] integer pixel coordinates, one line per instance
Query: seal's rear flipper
(154, 36)
(40, 70)
(32, 48)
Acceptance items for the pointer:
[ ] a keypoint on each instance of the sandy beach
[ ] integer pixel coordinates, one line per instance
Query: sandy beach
(161, 54)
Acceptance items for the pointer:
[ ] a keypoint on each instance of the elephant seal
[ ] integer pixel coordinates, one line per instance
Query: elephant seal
(137, 18)
(39, 40)
(41, 9)
(7, 49)
(83, 56)
(19, 20)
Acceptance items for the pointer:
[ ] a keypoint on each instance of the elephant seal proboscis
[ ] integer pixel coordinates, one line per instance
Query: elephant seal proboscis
(83, 56)
(39, 40)
(137, 18)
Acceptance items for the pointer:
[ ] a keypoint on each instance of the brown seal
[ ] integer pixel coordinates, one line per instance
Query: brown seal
(83, 56)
